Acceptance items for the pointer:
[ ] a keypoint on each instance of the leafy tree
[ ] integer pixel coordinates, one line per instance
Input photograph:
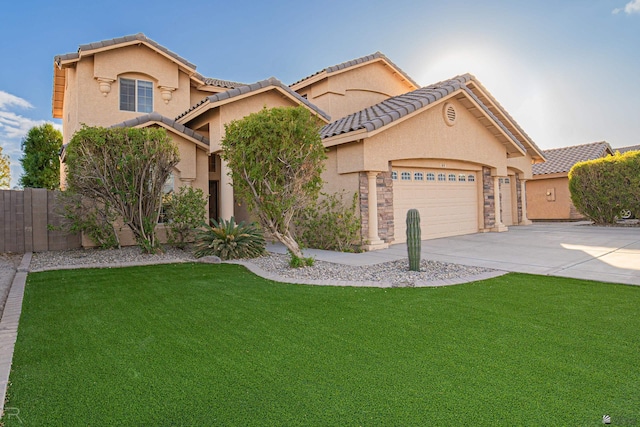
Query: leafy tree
(125, 169)
(5, 170)
(41, 162)
(276, 161)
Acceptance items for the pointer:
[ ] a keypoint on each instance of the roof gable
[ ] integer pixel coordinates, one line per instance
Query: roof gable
(561, 160)
(167, 123)
(68, 59)
(345, 66)
(394, 109)
(241, 92)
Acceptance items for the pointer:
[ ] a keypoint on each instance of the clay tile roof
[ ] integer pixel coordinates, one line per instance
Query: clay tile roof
(357, 61)
(156, 117)
(394, 108)
(627, 149)
(244, 89)
(119, 40)
(226, 84)
(562, 159)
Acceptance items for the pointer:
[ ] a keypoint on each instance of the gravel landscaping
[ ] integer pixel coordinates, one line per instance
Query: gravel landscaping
(395, 273)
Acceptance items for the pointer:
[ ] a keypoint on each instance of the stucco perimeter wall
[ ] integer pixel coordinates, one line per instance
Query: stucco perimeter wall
(427, 136)
(355, 89)
(96, 109)
(549, 198)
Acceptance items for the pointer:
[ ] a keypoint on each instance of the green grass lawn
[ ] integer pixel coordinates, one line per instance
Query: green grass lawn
(197, 344)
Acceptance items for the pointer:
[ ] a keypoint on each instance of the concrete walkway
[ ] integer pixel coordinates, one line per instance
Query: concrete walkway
(607, 254)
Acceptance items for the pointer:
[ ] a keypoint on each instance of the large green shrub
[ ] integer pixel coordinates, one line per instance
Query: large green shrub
(330, 224)
(184, 212)
(228, 240)
(601, 188)
(126, 169)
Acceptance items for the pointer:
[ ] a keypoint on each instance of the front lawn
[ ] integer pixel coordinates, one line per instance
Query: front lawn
(196, 344)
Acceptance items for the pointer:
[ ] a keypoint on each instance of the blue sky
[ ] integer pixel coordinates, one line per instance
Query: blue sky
(568, 71)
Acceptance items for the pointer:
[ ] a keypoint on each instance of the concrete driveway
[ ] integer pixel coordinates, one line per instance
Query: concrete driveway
(607, 254)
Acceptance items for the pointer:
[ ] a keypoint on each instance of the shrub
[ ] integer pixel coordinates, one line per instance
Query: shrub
(96, 220)
(297, 262)
(331, 224)
(601, 188)
(184, 212)
(229, 240)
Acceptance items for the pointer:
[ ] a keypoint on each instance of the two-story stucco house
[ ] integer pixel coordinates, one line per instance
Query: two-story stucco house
(448, 149)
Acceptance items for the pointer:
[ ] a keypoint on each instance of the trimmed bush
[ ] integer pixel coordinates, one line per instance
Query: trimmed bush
(602, 188)
(330, 224)
(228, 240)
(184, 212)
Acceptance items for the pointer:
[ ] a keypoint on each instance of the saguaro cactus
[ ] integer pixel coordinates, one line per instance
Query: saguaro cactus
(413, 239)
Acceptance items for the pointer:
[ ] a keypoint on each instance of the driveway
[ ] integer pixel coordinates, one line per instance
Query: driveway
(607, 254)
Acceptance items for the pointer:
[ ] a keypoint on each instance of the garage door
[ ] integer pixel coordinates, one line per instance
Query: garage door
(446, 199)
(505, 201)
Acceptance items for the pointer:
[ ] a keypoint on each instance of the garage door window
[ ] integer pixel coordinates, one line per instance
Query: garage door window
(418, 176)
(431, 176)
(394, 175)
(452, 177)
(405, 176)
(442, 177)
(471, 178)
(462, 177)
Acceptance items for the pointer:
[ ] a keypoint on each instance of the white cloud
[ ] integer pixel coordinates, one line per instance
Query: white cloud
(8, 100)
(631, 7)
(13, 128)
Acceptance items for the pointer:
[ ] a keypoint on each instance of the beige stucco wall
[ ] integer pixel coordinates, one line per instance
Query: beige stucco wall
(214, 119)
(343, 93)
(427, 136)
(549, 198)
(334, 180)
(85, 103)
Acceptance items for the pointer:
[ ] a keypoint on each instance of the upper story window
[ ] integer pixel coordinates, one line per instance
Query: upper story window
(136, 95)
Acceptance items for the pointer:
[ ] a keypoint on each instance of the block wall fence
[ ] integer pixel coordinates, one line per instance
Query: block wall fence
(25, 220)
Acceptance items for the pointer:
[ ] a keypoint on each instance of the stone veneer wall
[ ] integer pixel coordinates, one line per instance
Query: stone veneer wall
(489, 210)
(520, 199)
(384, 187)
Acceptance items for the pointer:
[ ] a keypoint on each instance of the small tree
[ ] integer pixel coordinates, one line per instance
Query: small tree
(276, 160)
(41, 162)
(125, 169)
(5, 170)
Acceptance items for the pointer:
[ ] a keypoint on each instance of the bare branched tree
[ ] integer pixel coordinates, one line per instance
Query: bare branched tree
(124, 168)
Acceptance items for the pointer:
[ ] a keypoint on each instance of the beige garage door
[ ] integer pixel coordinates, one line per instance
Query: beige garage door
(447, 201)
(505, 201)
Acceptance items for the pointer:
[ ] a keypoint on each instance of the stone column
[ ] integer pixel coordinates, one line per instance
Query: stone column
(498, 205)
(226, 192)
(523, 202)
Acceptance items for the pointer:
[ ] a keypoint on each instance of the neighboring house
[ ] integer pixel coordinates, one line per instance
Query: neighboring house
(448, 149)
(548, 196)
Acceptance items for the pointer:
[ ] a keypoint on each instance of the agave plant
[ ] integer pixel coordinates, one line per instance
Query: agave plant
(228, 240)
